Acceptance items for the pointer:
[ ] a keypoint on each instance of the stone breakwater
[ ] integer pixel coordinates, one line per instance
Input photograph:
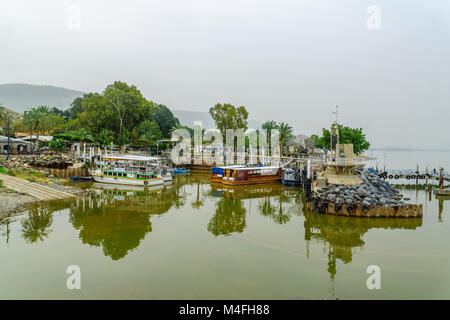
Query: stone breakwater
(374, 197)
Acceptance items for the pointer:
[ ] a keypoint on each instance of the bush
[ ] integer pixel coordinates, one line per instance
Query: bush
(57, 144)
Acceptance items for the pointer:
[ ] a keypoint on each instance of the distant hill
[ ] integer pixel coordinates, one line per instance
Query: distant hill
(20, 97)
(188, 117)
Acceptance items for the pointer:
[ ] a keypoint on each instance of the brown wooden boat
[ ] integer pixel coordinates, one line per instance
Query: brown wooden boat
(251, 175)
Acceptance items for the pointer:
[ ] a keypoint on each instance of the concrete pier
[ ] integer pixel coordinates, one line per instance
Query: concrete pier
(33, 189)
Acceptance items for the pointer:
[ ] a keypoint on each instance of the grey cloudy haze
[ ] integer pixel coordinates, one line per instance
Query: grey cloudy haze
(289, 61)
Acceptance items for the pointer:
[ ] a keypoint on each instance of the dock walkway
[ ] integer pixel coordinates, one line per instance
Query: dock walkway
(33, 189)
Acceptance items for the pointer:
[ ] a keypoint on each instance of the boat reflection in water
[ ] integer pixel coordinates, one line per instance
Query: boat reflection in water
(117, 218)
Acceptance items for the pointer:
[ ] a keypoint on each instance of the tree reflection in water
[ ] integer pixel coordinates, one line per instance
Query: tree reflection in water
(341, 235)
(118, 219)
(36, 226)
(229, 217)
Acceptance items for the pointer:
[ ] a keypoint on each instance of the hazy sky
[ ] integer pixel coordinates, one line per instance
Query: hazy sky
(283, 60)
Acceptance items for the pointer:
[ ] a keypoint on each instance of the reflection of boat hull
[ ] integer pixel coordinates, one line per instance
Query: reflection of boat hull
(126, 180)
(250, 181)
(216, 178)
(122, 187)
(74, 178)
(179, 171)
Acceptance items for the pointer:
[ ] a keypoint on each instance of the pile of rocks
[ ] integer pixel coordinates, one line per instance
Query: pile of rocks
(60, 161)
(373, 192)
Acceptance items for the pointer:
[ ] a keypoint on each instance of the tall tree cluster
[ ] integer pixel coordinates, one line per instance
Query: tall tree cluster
(119, 115)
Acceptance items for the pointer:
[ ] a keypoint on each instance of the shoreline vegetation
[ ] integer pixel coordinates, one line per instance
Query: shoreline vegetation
(121, 117)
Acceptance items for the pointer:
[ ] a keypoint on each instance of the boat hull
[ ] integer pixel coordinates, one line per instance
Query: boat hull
(127, 181)
(293, 183)
(262, 180)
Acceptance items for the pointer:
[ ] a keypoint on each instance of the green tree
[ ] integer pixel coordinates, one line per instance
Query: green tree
(104, 137)
(38, 119)
(286, 133)
(119, 109)
(15, 121)
(227, 116)
(269, 126)
(58, 112)
(311, 141)
(57, 144)
(180, 126)
(82, 135)
(2, 113)
(37, 225)
(149, 130)
(346, 135)
(76, 107)
(165, 119)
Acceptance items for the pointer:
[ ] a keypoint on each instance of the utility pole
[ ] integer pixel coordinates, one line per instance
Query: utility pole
(336, 113)
(334, 131)
(7, 152)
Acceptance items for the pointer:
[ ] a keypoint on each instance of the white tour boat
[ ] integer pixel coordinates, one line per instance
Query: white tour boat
(130, 170)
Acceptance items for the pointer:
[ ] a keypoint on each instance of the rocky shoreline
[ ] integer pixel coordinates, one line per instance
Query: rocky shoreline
(374, 197)
(373, 192)
(12, 202)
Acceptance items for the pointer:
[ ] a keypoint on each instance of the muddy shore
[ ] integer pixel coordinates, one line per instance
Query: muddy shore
(12, 202)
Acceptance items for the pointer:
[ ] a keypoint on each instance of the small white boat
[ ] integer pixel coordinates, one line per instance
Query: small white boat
(166, 176)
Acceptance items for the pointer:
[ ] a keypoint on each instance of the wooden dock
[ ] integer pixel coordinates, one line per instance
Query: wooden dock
(38, 191)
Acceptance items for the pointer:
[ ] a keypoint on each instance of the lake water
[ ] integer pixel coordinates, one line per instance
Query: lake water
(188, 240)
(398, 160)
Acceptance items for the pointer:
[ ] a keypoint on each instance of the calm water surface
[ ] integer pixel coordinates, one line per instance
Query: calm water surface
(188, 240)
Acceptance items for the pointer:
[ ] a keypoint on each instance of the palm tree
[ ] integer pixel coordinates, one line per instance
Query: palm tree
(266, 208)
(198, 203)
(286, 133)
(269, 126)
(36, 226)
(82, 134)
(38, 119)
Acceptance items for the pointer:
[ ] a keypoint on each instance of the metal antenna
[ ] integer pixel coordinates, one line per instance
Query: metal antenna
(336, 113)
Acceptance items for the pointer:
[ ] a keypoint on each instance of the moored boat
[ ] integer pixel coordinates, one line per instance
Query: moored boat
(290, 177)
(217, 173)
(251, 175)
(178, 171)
(128, 170)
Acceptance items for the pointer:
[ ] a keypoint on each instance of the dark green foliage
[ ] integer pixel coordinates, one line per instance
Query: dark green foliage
(165, 119)
(227, 116)
(346, 135)
(57, 144)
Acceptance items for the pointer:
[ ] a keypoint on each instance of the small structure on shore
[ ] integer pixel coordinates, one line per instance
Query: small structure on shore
(343, 187)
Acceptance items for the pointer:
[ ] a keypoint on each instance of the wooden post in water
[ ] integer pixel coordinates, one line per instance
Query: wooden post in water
(441, 178)
(417, 175)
